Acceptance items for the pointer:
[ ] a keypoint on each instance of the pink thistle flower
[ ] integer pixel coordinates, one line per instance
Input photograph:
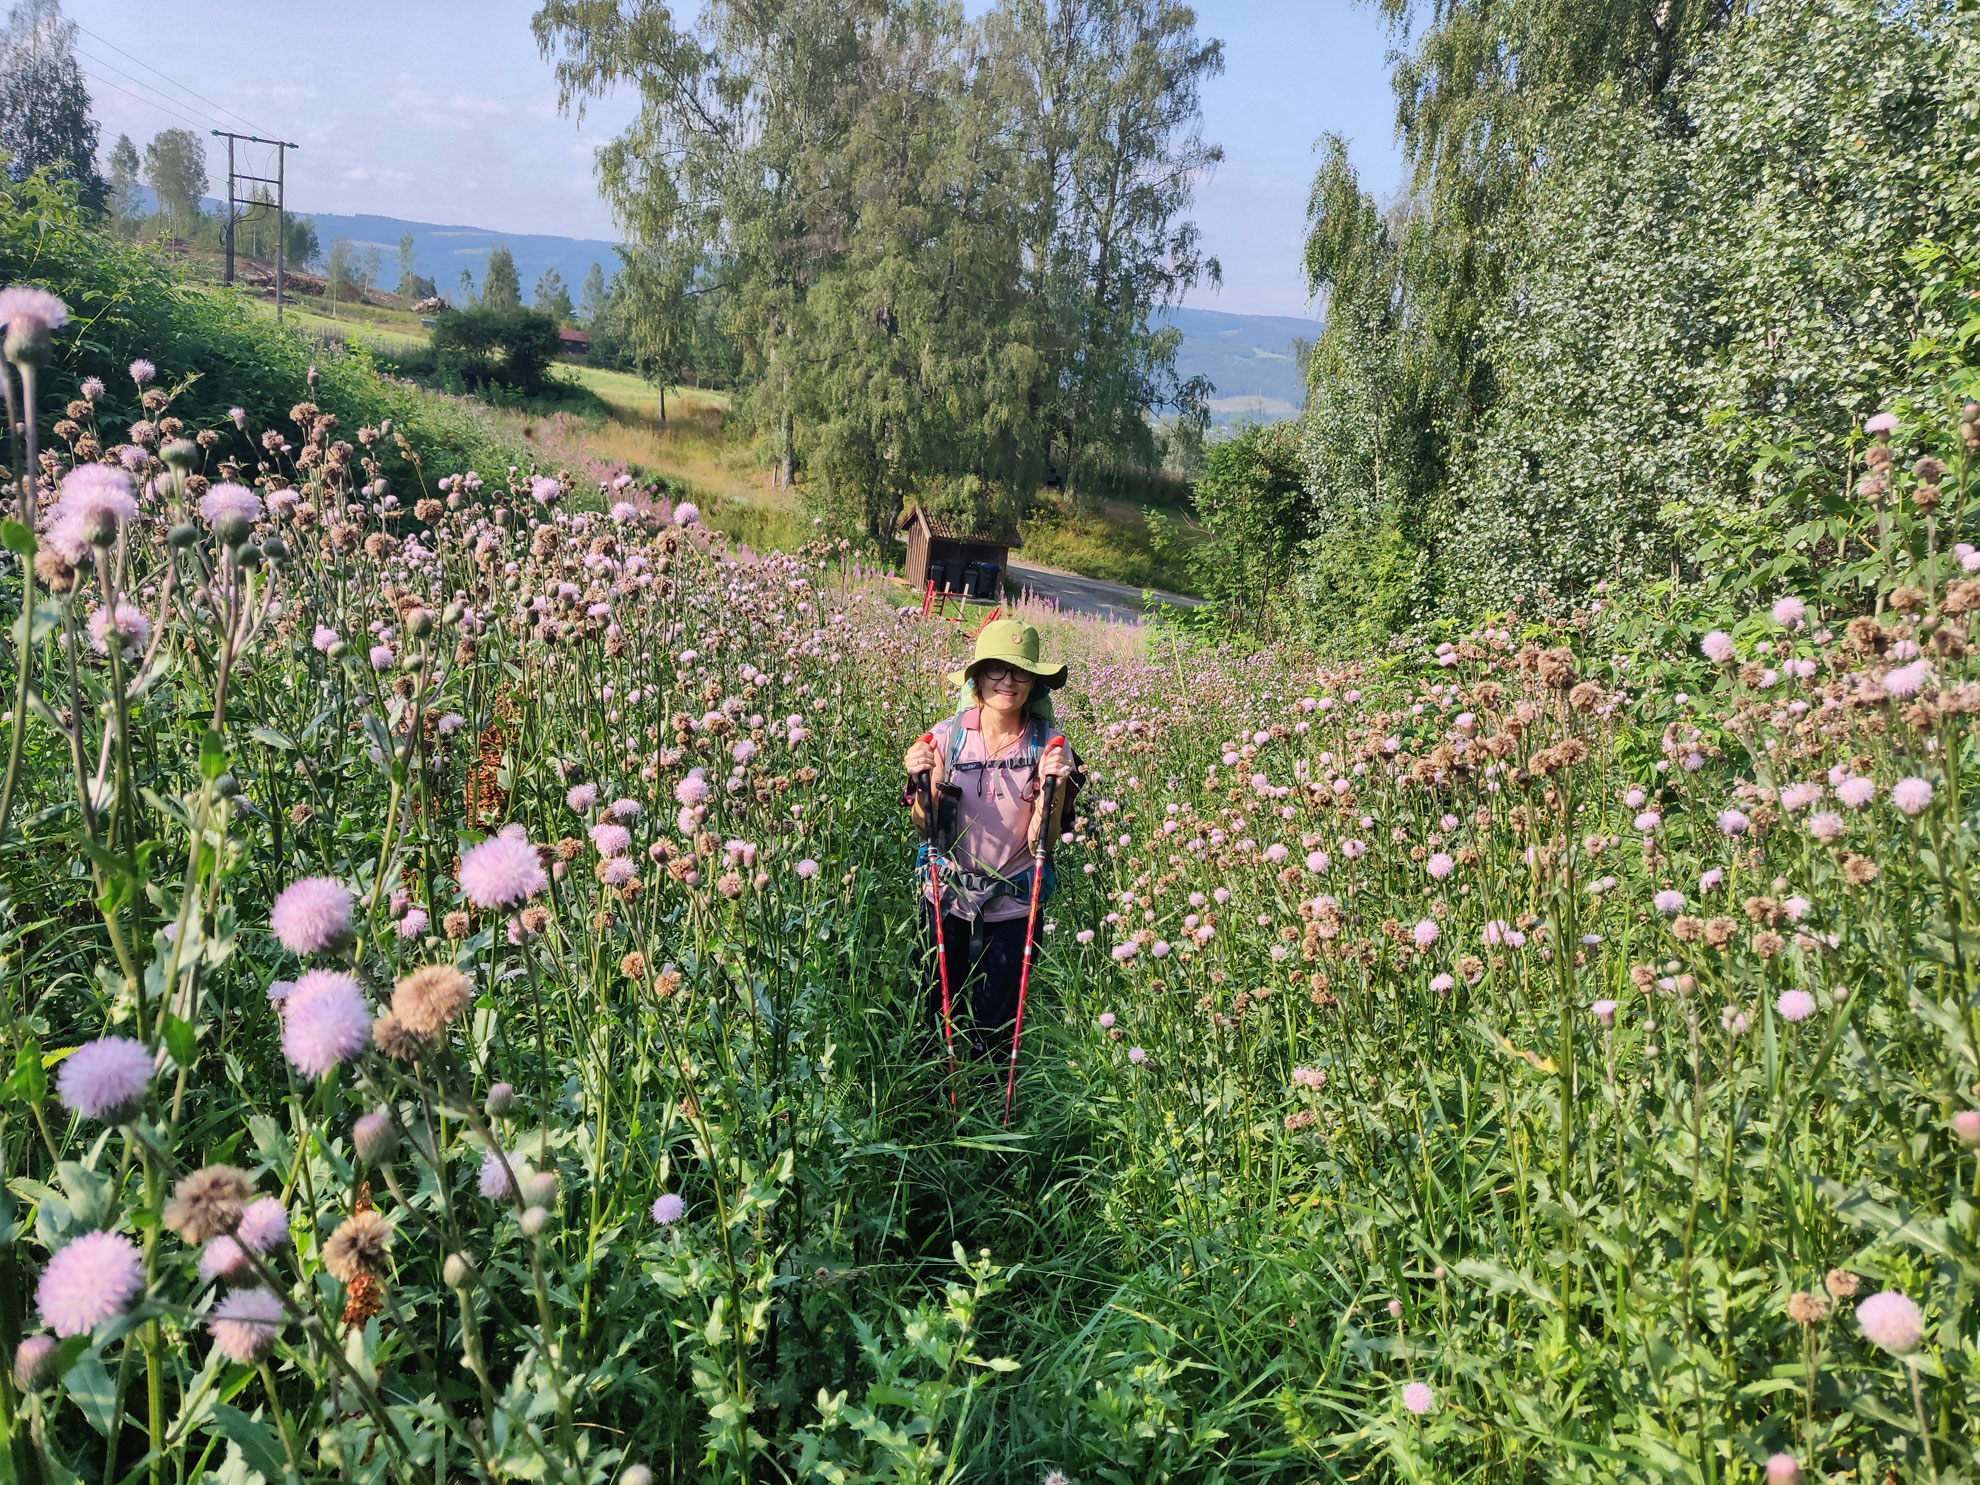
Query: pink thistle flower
(1604, 1011)
(222, 1259)
(495, 1182)
(1137, 1056)
(23, 304)
(1783, 1469)
(142, 371)
(92, 387)
(1425, 933)
(1084, 936)
(127, 627)
(311, 916)
(1440, 866)
(1718, 646)
(1733, 822)
(229, 500)
(582, 797)
(667, 1208)
(627, 809)
(502, 872)
(807, 868)
(1669, 902)
(98, 498)
(245, 1324)
(324, 637)
(1158, 950)
(610, 840)
(324, 1022)
(1966, 1125)
(1709, 882)
(1880, 425)
(1799, 796)
(1892, 1322)
(414, 923)
(1913, 796)
(89, 1280)
(1732, 1019)
(1309, 1077)
(1275, 853)
(1443, 984)
(619, 870)
(743, 751)
(382, 657)
(1316, 861)
(691, 790)
(105, 1079)
(264, 1225)
(1648, 821)
(1794, 1005)
(1418, 1398)
(1826, 826)
(1856, 792)
(1907, 680)
(544, 490)
(686, 514)
(1789, 612)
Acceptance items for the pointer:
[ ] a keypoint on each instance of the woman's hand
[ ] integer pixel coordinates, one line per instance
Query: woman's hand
(921, 757)
(1056, 762)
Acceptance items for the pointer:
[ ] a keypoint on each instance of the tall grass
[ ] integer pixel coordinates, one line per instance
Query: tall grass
(1515, 1059)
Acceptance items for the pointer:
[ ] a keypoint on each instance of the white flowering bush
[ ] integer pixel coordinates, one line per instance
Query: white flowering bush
(464, 1014)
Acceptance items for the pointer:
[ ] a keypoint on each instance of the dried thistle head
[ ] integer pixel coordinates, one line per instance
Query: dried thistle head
(431, 998)
(208, 1203)
(358, 1246)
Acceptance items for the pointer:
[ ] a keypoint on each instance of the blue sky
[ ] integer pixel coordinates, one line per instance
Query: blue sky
(442, 111)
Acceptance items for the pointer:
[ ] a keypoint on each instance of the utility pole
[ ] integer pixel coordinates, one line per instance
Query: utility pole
(278, 181)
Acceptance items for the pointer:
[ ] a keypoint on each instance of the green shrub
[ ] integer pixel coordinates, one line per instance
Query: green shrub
(509, 348)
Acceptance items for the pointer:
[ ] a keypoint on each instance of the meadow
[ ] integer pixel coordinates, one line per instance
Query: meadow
(464, 1008)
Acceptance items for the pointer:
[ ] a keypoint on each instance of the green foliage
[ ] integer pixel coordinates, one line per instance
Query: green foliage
(175, 167)
(46, 122)
(938, 241)
(591, 296)
(500, 287)
(550, 296)
(1251, 498)
(509, 348)
(1641, 263)
(128, 302)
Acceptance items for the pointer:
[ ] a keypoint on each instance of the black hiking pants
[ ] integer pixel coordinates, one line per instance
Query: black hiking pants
(983, 986)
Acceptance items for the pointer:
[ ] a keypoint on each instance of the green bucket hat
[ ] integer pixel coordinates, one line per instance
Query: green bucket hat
(1010, 642)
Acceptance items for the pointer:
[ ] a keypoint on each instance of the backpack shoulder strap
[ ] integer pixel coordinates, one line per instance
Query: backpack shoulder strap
(955, 742)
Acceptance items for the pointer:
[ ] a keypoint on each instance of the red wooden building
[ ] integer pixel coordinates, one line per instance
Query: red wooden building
(957, 559)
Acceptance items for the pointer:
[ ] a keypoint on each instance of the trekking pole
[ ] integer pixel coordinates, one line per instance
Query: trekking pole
(924, 783)
(1031, 926)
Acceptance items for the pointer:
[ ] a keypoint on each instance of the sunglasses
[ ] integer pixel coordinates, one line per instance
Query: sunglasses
(997, 675)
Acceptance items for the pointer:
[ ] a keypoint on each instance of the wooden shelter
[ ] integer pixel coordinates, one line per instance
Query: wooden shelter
(956, 559)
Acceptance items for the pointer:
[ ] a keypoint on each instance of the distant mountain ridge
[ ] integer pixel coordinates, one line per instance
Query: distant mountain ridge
(1248, 358)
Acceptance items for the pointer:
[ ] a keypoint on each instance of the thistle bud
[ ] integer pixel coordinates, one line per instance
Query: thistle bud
(374, 1138)
(534, 1220)
(232, 529)
(182, 535)
(338, 649)
(501, 1099)
(276, 548)
(419, 623)
(541, 1187)
(636, 1474)
(458, 1271)
(249, 556)
(100, 528)
(180, 455)
(28, 343)
(31, 1358)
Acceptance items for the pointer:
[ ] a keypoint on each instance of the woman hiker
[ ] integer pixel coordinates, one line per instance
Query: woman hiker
(994, 755)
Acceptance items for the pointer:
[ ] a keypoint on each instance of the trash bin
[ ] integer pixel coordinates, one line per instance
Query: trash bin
(971, 576)
(990, 580)
(938, 574)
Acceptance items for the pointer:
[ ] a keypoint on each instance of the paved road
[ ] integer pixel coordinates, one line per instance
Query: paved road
(1084, 595)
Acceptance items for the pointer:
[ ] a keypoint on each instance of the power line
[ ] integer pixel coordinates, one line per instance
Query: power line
(104, 82)
(254, 128)
(149, 93)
